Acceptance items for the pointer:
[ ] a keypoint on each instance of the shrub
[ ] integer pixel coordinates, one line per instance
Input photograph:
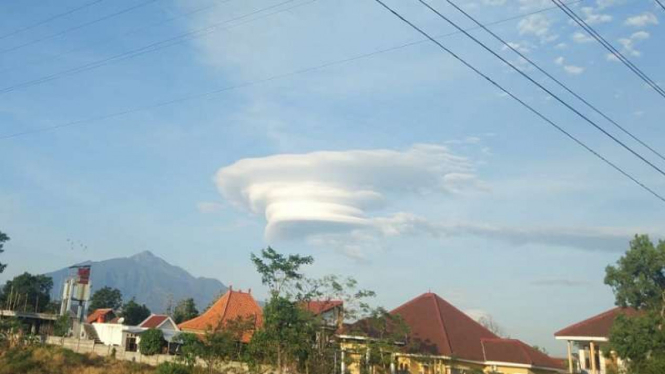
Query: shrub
(151, 342)
(173, 368)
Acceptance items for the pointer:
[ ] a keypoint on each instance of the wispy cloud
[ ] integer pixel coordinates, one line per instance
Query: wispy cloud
(335, 199)
(642, 20)
(592, 17)
(537, 25)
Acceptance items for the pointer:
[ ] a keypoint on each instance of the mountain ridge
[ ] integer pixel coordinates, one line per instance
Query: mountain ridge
(148, 278)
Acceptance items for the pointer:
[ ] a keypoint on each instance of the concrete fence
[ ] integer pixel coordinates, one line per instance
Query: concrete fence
(89, 346)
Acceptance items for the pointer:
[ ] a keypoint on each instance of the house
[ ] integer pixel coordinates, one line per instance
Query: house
(590, 336)
(331, 312)
(232, 306)
(132, 335)
(444, 340)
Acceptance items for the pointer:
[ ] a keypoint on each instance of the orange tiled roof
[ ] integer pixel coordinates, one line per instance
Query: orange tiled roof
(231, 306)
(94, 316)
(321, 306)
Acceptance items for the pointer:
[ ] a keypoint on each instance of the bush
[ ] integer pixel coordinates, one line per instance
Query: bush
(173, 368)
(152, 342)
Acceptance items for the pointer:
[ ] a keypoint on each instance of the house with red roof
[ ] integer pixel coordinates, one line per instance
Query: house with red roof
(331, 312)
(443, 339)
(232, 306)
(590, 336)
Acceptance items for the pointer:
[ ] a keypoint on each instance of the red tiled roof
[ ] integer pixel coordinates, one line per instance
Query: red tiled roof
(597, 326)
(231, 306)
(321, 306)
(153, 321)
(515, 351)
(94, 316)
(440, 328)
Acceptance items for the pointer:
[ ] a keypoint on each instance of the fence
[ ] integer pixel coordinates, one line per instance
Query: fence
(89, 346)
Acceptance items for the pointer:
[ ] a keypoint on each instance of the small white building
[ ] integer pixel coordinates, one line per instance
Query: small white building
(114, 333)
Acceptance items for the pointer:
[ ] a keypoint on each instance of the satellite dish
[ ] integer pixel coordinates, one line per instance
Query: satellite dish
(121, 320)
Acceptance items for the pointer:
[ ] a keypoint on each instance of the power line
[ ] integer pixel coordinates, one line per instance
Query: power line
(158, 45)
(105, 41)
(74, 28)
(591, 31)
(49, 19)
(552, 94)
(661, 4)
(154, 46)
(523, 103)
(557, 81)
(251, 83)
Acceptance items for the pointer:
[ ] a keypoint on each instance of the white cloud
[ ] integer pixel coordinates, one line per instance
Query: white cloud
(494, 2)
(580, 37)
(593, 18)
(559, 60)
(628, 44)
(330, 192)
(537, 25)
(521, 47)
(640, 35)
(586, 238)
(572, 69)
(335, 199)
(642, 20)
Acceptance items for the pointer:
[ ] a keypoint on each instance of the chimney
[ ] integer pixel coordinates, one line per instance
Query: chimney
(249, 291)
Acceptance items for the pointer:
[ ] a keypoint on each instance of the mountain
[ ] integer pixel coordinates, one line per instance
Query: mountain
(148, 278)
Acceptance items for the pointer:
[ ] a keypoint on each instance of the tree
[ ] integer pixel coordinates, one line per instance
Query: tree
(189, 348)
(27, 291)
(638, 281)
(151, 342)
(133, 313)
(185, 310)
(62, 326)
(3, 238)
(106, 297)
(285, 324)
(278, 272)
(489, 323)
(217, 347)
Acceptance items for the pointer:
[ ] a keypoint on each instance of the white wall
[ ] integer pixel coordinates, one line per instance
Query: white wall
(110, 333)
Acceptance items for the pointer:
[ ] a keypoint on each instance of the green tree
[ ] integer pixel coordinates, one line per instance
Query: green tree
(151, 342)
(216, 348)
(27, 291)
(638, 281)
(105, 297)
(278, 272)
(3, 239)
(190, 346)
(285, 324)
(185, 310)
(62, 326)
(133, 313)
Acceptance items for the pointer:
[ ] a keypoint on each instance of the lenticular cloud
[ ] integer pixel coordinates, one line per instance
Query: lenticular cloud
(332, 192)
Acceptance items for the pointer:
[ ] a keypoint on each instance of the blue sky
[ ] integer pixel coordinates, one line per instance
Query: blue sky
(402, 169)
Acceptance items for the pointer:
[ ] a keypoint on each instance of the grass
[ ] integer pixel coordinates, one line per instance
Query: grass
(42, 359)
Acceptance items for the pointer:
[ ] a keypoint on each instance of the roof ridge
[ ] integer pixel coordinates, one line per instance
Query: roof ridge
(226, 307)
(521, 345)
(440, 318)
(590, 319)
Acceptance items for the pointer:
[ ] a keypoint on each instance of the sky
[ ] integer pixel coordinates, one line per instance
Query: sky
(206, 130)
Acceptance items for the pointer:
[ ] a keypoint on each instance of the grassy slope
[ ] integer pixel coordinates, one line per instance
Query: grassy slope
(56, 360)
